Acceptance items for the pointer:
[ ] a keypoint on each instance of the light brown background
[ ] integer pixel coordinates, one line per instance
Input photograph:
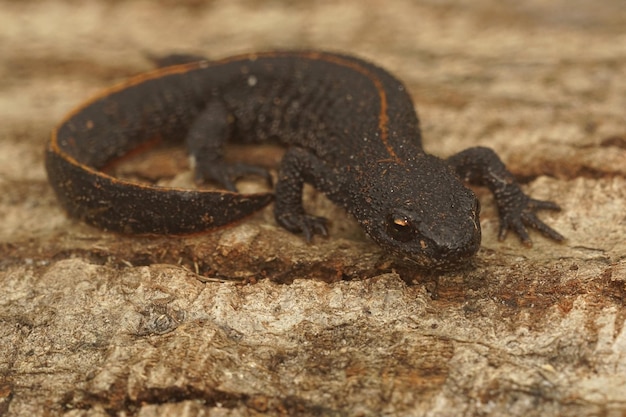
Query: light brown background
(96, 324)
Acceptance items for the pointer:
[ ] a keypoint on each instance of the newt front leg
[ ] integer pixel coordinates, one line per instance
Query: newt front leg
(297, 167)
(517, 211)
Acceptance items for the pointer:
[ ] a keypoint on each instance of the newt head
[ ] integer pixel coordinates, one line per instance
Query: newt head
(420, 211)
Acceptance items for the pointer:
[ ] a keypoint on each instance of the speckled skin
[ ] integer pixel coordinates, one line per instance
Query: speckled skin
(351, 131)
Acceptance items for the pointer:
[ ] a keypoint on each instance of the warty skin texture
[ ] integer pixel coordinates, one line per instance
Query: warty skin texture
(351, 131)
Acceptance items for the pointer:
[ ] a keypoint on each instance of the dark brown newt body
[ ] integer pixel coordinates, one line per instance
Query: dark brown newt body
(351, 131)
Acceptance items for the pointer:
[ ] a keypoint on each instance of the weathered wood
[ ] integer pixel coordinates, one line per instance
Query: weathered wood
(93, 323)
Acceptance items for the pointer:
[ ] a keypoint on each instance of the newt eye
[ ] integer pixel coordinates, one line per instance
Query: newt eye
(400, 227)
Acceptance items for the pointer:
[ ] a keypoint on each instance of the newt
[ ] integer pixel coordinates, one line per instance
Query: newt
(350, 129)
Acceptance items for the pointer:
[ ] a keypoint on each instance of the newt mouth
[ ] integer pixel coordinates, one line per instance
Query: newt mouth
(450, 261)
(442, 265)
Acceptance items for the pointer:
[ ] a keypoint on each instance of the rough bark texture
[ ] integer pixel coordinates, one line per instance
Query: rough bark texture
(250, 320)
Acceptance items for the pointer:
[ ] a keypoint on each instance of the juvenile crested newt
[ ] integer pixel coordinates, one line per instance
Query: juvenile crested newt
(350, 129)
